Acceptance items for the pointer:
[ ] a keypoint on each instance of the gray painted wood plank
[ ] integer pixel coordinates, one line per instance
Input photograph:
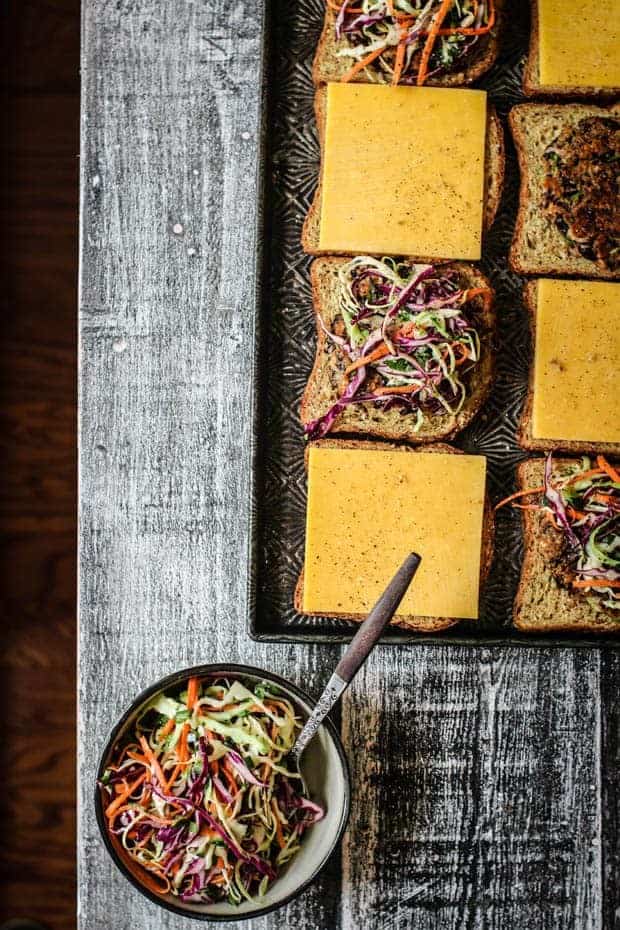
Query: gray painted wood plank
(610, 789)
(171, 120)
(476, 791)
(170, 127)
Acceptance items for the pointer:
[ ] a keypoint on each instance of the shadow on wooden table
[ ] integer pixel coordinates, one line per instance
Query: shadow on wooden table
(39, 146)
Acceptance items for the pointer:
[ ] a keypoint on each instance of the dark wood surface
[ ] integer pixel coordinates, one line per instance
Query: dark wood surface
(484, 787)
(39, 145)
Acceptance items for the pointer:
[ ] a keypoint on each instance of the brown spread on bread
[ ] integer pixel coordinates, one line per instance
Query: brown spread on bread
(581, 188)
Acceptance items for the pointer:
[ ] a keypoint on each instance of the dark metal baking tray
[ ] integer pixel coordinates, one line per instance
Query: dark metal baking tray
(285, 345)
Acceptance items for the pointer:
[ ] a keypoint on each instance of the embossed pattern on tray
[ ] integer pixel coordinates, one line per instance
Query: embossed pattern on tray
(287, 342)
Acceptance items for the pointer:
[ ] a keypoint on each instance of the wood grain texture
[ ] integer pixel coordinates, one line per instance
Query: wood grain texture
(479, 807)
(477, 791)
(610, 789)
(39, 143)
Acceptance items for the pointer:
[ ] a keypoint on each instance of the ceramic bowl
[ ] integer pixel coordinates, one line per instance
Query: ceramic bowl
(326, 772)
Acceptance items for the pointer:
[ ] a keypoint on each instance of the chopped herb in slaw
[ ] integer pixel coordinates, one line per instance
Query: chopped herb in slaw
(583, 501)
(200, 794)
(410, 40)
(410, 336)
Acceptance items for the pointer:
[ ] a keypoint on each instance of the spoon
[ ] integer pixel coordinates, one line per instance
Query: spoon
(358, 651)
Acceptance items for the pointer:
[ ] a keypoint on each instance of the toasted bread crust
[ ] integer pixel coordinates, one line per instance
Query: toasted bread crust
(555, 257)
(524, 435)
(531, 75)
(542, 605)
(329, 66)
(495, 165)
(367, 419)
(410, 622)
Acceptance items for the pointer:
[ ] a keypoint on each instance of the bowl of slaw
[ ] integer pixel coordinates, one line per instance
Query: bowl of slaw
(199, 803)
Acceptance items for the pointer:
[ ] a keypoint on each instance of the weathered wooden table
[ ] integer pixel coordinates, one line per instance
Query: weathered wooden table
(485, 784)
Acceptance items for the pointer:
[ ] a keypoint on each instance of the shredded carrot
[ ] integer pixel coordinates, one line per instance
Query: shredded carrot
(575, 514)
(160, 821)
(477, 31)
(232, 784)
(150, 882)
(595, 583)
(253, 708)
(167, 729)
(362, 63)
(465, 31)
(279, 834)
(183, 750)
(193, 686)
(119, 810)
(584, 474)
(438, 19)
(120, 799)
(604, 465)
(175, 774)
(275, 704)
(401, 389)
(374, 356)
(461, 354)
(224, 869)
(606, 499)
(483, 292)
(154, 763)
(517, 494)
(400, 56)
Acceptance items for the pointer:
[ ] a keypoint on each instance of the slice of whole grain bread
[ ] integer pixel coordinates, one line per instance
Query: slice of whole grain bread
(524, 435)
(531, 73)
(407, 621)
(495, 161)
(330, 66)
(542, 603)
(322, 389)
(538, 247)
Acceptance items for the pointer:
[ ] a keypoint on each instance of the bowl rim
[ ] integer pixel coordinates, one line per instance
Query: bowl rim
(161, 685)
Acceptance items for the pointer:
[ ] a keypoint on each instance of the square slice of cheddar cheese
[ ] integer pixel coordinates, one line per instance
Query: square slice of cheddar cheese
(368, 508)
(579, 44)
(576, 383)
(403, 171)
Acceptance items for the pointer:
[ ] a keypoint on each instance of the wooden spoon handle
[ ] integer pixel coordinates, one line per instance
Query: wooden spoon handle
(373, 626)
